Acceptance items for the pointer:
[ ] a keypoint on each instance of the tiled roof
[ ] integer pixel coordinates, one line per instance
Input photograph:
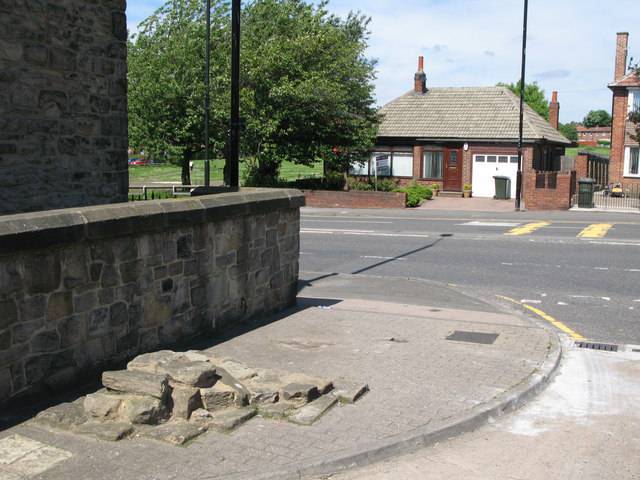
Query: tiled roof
(580, 128)
(476, 113)
(629, 80)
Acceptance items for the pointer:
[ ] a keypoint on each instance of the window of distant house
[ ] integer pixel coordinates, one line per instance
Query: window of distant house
(402, 164)
(634, 100)
(432, 165)
(632, 161)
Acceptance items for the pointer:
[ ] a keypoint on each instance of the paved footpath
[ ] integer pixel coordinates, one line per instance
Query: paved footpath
(423, 388)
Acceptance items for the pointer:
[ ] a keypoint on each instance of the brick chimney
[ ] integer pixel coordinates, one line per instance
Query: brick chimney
(554, 110)
(420, 78)
(621, 55)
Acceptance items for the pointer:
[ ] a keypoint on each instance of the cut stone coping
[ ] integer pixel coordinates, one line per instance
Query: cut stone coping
(39, 230)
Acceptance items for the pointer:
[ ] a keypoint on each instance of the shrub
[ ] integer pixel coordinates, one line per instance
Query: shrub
(386, 185)
(416, 193)
(355, 184)
(466, 186)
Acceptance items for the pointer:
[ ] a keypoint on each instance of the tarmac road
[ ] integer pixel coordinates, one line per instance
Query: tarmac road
(581, 268)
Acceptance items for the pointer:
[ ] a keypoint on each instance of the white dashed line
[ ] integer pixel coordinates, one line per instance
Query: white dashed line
(524, 300)
(601, 268)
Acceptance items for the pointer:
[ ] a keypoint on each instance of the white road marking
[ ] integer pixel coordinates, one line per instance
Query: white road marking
(638, 300)
(600, 268)
(563, 304)
(606, 298)
(507, 263)
(375, 257)
(477, 223)
(632, 269)
(524, 300)
(345, 221)
(543, 294)
(626, 244)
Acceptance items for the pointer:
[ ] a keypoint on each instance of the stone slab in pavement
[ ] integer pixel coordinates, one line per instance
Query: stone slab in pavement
(418, 381)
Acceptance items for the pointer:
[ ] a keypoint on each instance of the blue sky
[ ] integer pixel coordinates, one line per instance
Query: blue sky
(571, 44)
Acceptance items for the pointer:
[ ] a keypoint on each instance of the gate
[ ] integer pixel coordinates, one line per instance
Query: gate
(626, 198)
(598, 169)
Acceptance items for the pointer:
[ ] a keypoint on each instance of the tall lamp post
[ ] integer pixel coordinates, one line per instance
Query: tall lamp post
(521, 127)
(234, 133)
(207, 83)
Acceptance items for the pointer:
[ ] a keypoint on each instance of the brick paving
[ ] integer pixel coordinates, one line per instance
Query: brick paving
(415, 380)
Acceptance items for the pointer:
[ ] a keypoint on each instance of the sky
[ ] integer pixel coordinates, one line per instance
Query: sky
(570, 46)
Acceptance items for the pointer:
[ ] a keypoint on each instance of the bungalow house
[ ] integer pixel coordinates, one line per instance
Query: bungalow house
(624, 163)
(453, 136)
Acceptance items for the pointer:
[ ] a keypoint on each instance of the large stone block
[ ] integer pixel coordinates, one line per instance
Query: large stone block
(8, 313)
(138, 383)
(60, 305)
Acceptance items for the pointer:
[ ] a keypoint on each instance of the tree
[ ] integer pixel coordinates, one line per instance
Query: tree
(166, 90)
(597, 118)
(307, 85)
(533, 96)
(569, 130)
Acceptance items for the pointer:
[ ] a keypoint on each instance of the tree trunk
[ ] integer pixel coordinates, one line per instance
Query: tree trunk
(186, 167)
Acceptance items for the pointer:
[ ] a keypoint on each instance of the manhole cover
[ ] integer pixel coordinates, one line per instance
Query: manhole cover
(605, 347)
(473, 337)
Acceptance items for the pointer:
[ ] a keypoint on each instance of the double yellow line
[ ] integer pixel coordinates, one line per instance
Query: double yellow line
(545, 316)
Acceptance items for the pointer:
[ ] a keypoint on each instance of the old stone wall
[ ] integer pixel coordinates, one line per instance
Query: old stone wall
(85, 289)
(63, 104)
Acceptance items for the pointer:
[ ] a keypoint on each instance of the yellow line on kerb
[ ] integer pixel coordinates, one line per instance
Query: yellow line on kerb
(556, 323)
(527, 229)
(596, 230)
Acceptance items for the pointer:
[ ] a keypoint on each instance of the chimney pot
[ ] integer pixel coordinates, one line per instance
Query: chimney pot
(420, 78)
(554, 110)
(622, 42)
(554, 97)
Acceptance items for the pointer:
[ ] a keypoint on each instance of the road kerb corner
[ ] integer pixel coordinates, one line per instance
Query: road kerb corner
(426, 435)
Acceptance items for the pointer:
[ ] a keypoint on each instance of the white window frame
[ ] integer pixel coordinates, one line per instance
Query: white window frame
(627, 163)
(634, 96)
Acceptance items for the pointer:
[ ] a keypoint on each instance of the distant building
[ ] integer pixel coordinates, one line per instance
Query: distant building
(592, 136)
(625, 151)
(457, 136)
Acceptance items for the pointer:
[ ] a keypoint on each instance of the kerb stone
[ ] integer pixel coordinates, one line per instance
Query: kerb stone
(308, 414)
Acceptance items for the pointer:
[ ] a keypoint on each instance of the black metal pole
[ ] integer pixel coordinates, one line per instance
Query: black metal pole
(521, 127)
(207, 100)
(234, 140)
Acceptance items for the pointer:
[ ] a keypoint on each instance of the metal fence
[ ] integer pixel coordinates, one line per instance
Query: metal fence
(626, 200)
(597, 168)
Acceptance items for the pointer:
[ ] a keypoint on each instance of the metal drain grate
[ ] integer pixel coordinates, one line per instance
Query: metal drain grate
(605, 347)
(473, 337)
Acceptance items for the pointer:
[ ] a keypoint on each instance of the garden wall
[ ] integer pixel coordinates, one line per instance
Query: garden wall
(354, 199)
(85, 289)
(549, 190)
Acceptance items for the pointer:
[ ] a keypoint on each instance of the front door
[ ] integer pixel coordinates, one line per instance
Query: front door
(452, 169)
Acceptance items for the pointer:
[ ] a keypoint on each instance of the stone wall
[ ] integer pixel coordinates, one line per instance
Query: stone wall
(63, 104)
(85, 289)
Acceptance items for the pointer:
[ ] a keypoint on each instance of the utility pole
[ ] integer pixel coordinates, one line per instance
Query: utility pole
(522, 75)
(234, 131)
(207, 100)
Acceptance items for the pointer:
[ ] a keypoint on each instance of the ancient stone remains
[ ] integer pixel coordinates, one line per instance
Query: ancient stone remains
(176, 396)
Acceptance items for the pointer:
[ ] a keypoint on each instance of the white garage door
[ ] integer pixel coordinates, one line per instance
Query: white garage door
(485, 167)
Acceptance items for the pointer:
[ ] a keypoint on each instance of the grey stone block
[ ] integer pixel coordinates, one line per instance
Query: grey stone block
(308, 414)
(8, 313)
(225, 420)
(108, 431)
(65, 416)
(173, 432)
(139, 383)
(102, 404)
(60, 305)
(139, 409)
(348, 391)
(185, 400)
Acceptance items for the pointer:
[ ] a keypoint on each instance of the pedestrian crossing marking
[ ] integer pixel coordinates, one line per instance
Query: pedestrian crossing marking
(528, 228)
(595, 230)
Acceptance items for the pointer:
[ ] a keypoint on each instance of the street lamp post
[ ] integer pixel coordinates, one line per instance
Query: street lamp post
(521, 126)
(234, 132)
(207, 100)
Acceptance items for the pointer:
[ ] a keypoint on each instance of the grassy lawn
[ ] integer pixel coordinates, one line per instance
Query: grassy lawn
(604, 151)
(171, 173)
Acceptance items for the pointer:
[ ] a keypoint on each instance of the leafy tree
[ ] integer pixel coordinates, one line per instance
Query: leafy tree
(307, 85)
(533, 96)
(166, 90)
(569, 130)
(597, 118)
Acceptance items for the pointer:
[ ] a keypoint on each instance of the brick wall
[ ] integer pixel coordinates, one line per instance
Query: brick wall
(618, 125)
(354, 199)
(540, 194)
(63, 104)
(86, 289)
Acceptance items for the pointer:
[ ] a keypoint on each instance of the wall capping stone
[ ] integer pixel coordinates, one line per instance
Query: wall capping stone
(47, 229)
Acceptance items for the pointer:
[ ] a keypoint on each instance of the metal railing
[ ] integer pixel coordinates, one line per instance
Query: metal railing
(625, 199)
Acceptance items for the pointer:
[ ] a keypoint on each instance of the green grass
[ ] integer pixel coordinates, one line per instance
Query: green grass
(604, 151)
(171, 173)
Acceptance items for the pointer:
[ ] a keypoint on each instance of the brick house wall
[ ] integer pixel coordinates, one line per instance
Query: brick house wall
(618, 127)
(541, 193)
(63, 104)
